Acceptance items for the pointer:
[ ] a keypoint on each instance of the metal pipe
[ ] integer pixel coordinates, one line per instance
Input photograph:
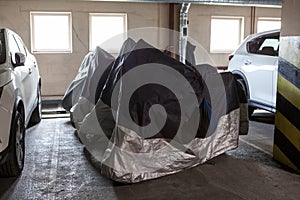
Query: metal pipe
(183, 25)
(272, 3)
(252, 20)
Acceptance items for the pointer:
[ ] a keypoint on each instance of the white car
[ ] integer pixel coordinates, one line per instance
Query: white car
(255, 65)
(20, 100)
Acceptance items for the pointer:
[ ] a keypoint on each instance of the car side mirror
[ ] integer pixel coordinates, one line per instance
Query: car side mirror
(18, 59)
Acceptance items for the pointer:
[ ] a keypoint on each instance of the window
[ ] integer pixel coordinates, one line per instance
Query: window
(104, 27)
(226, 34)
(21, 45)
(51, 32)
(13, 46)
(270, 42)
(267, 45)
(266, 24)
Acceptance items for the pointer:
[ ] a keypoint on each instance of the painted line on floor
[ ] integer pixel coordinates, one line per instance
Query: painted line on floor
(286, 147)
(54, 164)
(279, 154)
(291, 133)
(288, 110)
(256, 147)
(288, 71)
(288, 91)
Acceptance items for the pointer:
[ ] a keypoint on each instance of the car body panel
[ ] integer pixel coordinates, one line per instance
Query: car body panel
(258, 68)
(19, 84)
(6, 112)
(27, 73)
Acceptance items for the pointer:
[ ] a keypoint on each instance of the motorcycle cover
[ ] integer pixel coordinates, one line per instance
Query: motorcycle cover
(81, 95)
(156, 116)
(74, 91)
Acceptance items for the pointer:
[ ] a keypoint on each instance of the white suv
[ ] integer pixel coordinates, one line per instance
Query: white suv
(20, 100)
(255, 65)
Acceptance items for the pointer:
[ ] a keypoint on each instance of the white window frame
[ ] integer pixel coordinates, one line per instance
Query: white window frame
(241, 34)
(270, 19)
(32, 34)
(124, 15)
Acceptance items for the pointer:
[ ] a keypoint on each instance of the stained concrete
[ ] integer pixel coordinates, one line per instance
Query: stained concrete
(58, 167)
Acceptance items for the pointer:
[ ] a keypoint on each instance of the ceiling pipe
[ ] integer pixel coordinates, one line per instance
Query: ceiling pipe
(252, 19)
(267, 3)
(183, 25)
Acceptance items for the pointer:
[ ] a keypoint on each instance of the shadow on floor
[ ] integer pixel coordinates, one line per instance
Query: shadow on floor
(7, 185)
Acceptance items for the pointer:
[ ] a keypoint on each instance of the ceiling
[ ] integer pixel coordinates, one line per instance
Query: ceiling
(222, 2)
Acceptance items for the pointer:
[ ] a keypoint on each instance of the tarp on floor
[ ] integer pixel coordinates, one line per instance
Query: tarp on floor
(154, 115)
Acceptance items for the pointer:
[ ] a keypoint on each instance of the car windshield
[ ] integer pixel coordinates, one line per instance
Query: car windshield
(2, 48)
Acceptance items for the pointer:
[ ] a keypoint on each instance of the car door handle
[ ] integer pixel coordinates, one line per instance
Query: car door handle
(248, 62)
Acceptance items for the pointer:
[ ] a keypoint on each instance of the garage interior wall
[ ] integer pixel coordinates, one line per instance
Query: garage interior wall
(58, 70)
(200, 20)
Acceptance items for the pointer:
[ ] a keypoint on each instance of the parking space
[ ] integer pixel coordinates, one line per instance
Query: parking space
(58, 167)
(135, 99)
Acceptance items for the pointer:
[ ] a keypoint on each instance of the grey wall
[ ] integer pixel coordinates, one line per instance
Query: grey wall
(58, 70)
(290, 18)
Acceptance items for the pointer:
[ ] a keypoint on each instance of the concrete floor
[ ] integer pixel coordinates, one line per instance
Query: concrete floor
(57, 167)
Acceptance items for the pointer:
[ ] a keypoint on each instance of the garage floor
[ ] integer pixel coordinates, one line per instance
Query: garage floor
(57, 167)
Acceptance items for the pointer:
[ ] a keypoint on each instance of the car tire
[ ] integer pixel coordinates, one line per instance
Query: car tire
(14, 163)
(36, 116)
(244, 87)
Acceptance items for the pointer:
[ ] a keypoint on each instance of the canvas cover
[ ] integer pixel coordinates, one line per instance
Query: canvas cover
(74, 91)
(146, 115)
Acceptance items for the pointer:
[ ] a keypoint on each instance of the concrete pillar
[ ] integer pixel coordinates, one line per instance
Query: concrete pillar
(287, 120)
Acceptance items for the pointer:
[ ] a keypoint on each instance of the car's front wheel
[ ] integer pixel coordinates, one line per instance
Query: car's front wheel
(14, 163)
